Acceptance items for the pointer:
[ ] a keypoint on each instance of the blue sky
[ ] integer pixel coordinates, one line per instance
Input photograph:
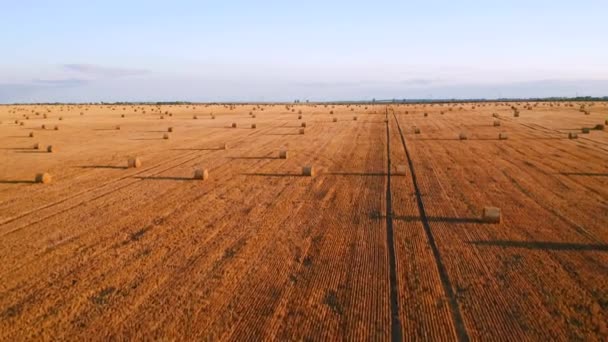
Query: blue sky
(283, 50)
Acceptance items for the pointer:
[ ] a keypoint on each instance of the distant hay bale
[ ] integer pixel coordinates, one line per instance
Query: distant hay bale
(253, 126)
(162, 117)
(166, 136)
(224, 146)
(283, 154)
(194, 117)
(36, 146)
(426, 114)
(299, 117)
(16, 122)
(201, 174)
(51, 149)
(44, 116)
(60, 118)
(301, 130)
(503, 136)
(31, 134)
(496, 123)
(331, 112)
(253, 116)
(308, 171)
(303, 124)
(234, 125)
(170, 129)
(122, 115)
(56, 127)
(21, 123)
(462, 136)
(43, 178)
(516, 114)
(416, 130)
(491, 215)
(335, 120)
(213, 117)
(133, 162)
(585, 130)
(354, 118)
(572, 135)
(117, 127)
(599, 127)
(495, 115)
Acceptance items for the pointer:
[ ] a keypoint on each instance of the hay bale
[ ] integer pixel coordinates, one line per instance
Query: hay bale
(36, 146)
(354, 118)
(51, 149)
(503, 136)
(335, 120)
(234, 125)
(60, 118)
(495, 115)
(56, 127)
(43, 126)
(283, 154)
(122, 115)
(401, 169)
(462, 136)
(303, 124)
(496, 123)
(201, 174)
(166, 136)
(308, 171)
(213, 117)
(572, 135)
(331, 112)
(299, 117)
(416, 130)
(301, 130)
(21, 123)
(31, 134)
(224, 146)
(585, 130)
(170, 129)
(133, 162)
(194, 117)
(426, 114)
(253, 116)
(599, 127)
(162, 117)
(516, 114)
(253, 126)
(491, 215)
(117, 127)
(43, 178)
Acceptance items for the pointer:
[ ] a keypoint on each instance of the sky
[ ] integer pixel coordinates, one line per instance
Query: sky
(212, 51)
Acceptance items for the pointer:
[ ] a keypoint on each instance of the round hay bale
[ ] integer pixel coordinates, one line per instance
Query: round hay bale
(234, 125)
(43, 178)
(585, 130)
(51, 149)
(462, 136)
(56, 127)
(43, 127)
(354, 118)
(426, 114)
(491, 215)
(253, 116)
(166, 136)
(60, 118)
(572, 135)
(194, 117)
(21, 123)
(308, 171)
(301, 130)
(299, 117)
(331, 112)
(162, 117)
(16, 122)
(516, 114)
(117, 127)
(31, 134)
(213, 117)
(416, 130)
(496, 123)
(335, 120)
(201, 174)
(495, 115)
(170, 129)
(253, 126)
(122, 115)
(36, 146)
(503, 136)
(303, 124)
(283, 154)
(133, 162)
(599, 127)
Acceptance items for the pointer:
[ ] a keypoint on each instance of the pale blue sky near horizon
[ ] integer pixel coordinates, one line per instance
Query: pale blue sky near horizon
(77, 51)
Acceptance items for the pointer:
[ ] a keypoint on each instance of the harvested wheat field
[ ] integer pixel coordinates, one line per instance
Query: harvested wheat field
(336, 242)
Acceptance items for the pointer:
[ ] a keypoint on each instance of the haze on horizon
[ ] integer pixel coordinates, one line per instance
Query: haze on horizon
(76, 51)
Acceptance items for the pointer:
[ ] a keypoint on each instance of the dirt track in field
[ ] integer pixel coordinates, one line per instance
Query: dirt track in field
(259, 251)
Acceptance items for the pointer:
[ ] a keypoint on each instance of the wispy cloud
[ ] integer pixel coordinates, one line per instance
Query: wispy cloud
(67, 82)
(103, 71)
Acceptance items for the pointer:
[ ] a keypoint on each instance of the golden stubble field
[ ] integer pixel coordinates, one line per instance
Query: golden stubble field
(384, 241)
